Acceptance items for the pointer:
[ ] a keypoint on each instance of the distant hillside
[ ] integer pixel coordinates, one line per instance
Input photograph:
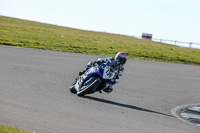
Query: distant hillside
(23, 33)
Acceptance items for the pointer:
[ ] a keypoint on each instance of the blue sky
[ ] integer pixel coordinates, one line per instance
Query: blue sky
(167, 19)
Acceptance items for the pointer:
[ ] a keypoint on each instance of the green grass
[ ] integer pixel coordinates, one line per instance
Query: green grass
(7, 129)
(23, 33)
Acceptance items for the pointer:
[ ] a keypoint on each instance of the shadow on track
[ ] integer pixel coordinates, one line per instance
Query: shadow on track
(125, 105)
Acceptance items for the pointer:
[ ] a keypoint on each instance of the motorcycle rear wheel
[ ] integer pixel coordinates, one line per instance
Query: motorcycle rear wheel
(88, 88)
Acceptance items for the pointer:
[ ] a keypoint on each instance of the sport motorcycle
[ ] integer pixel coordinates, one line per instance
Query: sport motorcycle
(95, 79)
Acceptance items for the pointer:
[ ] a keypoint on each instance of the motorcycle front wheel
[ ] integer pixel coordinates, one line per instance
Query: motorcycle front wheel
(72, 89)
(88, 88)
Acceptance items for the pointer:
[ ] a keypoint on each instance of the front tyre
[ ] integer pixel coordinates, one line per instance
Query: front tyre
(72, 89)
(88, 88)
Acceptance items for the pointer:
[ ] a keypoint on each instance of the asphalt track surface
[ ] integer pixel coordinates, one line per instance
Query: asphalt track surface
(34, 95)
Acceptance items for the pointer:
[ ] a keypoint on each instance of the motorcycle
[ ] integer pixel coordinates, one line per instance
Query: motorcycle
(96, 78)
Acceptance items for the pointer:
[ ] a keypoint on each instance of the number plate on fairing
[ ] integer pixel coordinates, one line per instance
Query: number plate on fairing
(108, 74)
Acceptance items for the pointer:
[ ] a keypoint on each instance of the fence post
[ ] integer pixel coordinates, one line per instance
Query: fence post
(190, 45)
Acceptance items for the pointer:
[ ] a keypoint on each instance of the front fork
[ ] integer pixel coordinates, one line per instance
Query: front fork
(79, 82)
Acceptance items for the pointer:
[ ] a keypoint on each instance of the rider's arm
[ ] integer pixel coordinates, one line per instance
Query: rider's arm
(100, 61)
(103, 60)
(94, 63)
(120, 72)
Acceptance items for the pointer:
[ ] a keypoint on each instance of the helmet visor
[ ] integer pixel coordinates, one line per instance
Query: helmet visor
(121, 61)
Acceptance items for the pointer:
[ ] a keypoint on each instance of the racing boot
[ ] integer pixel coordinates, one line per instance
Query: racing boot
(108, 89)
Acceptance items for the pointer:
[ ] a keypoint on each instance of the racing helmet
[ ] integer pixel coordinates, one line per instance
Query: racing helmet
(121, 58)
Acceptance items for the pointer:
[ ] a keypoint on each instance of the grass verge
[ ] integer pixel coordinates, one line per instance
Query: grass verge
(23, 33)
(7, 129)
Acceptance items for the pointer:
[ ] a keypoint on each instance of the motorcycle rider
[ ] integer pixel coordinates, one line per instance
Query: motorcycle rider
(116, 62)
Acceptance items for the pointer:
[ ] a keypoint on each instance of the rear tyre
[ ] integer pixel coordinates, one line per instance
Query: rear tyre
(88, 88)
